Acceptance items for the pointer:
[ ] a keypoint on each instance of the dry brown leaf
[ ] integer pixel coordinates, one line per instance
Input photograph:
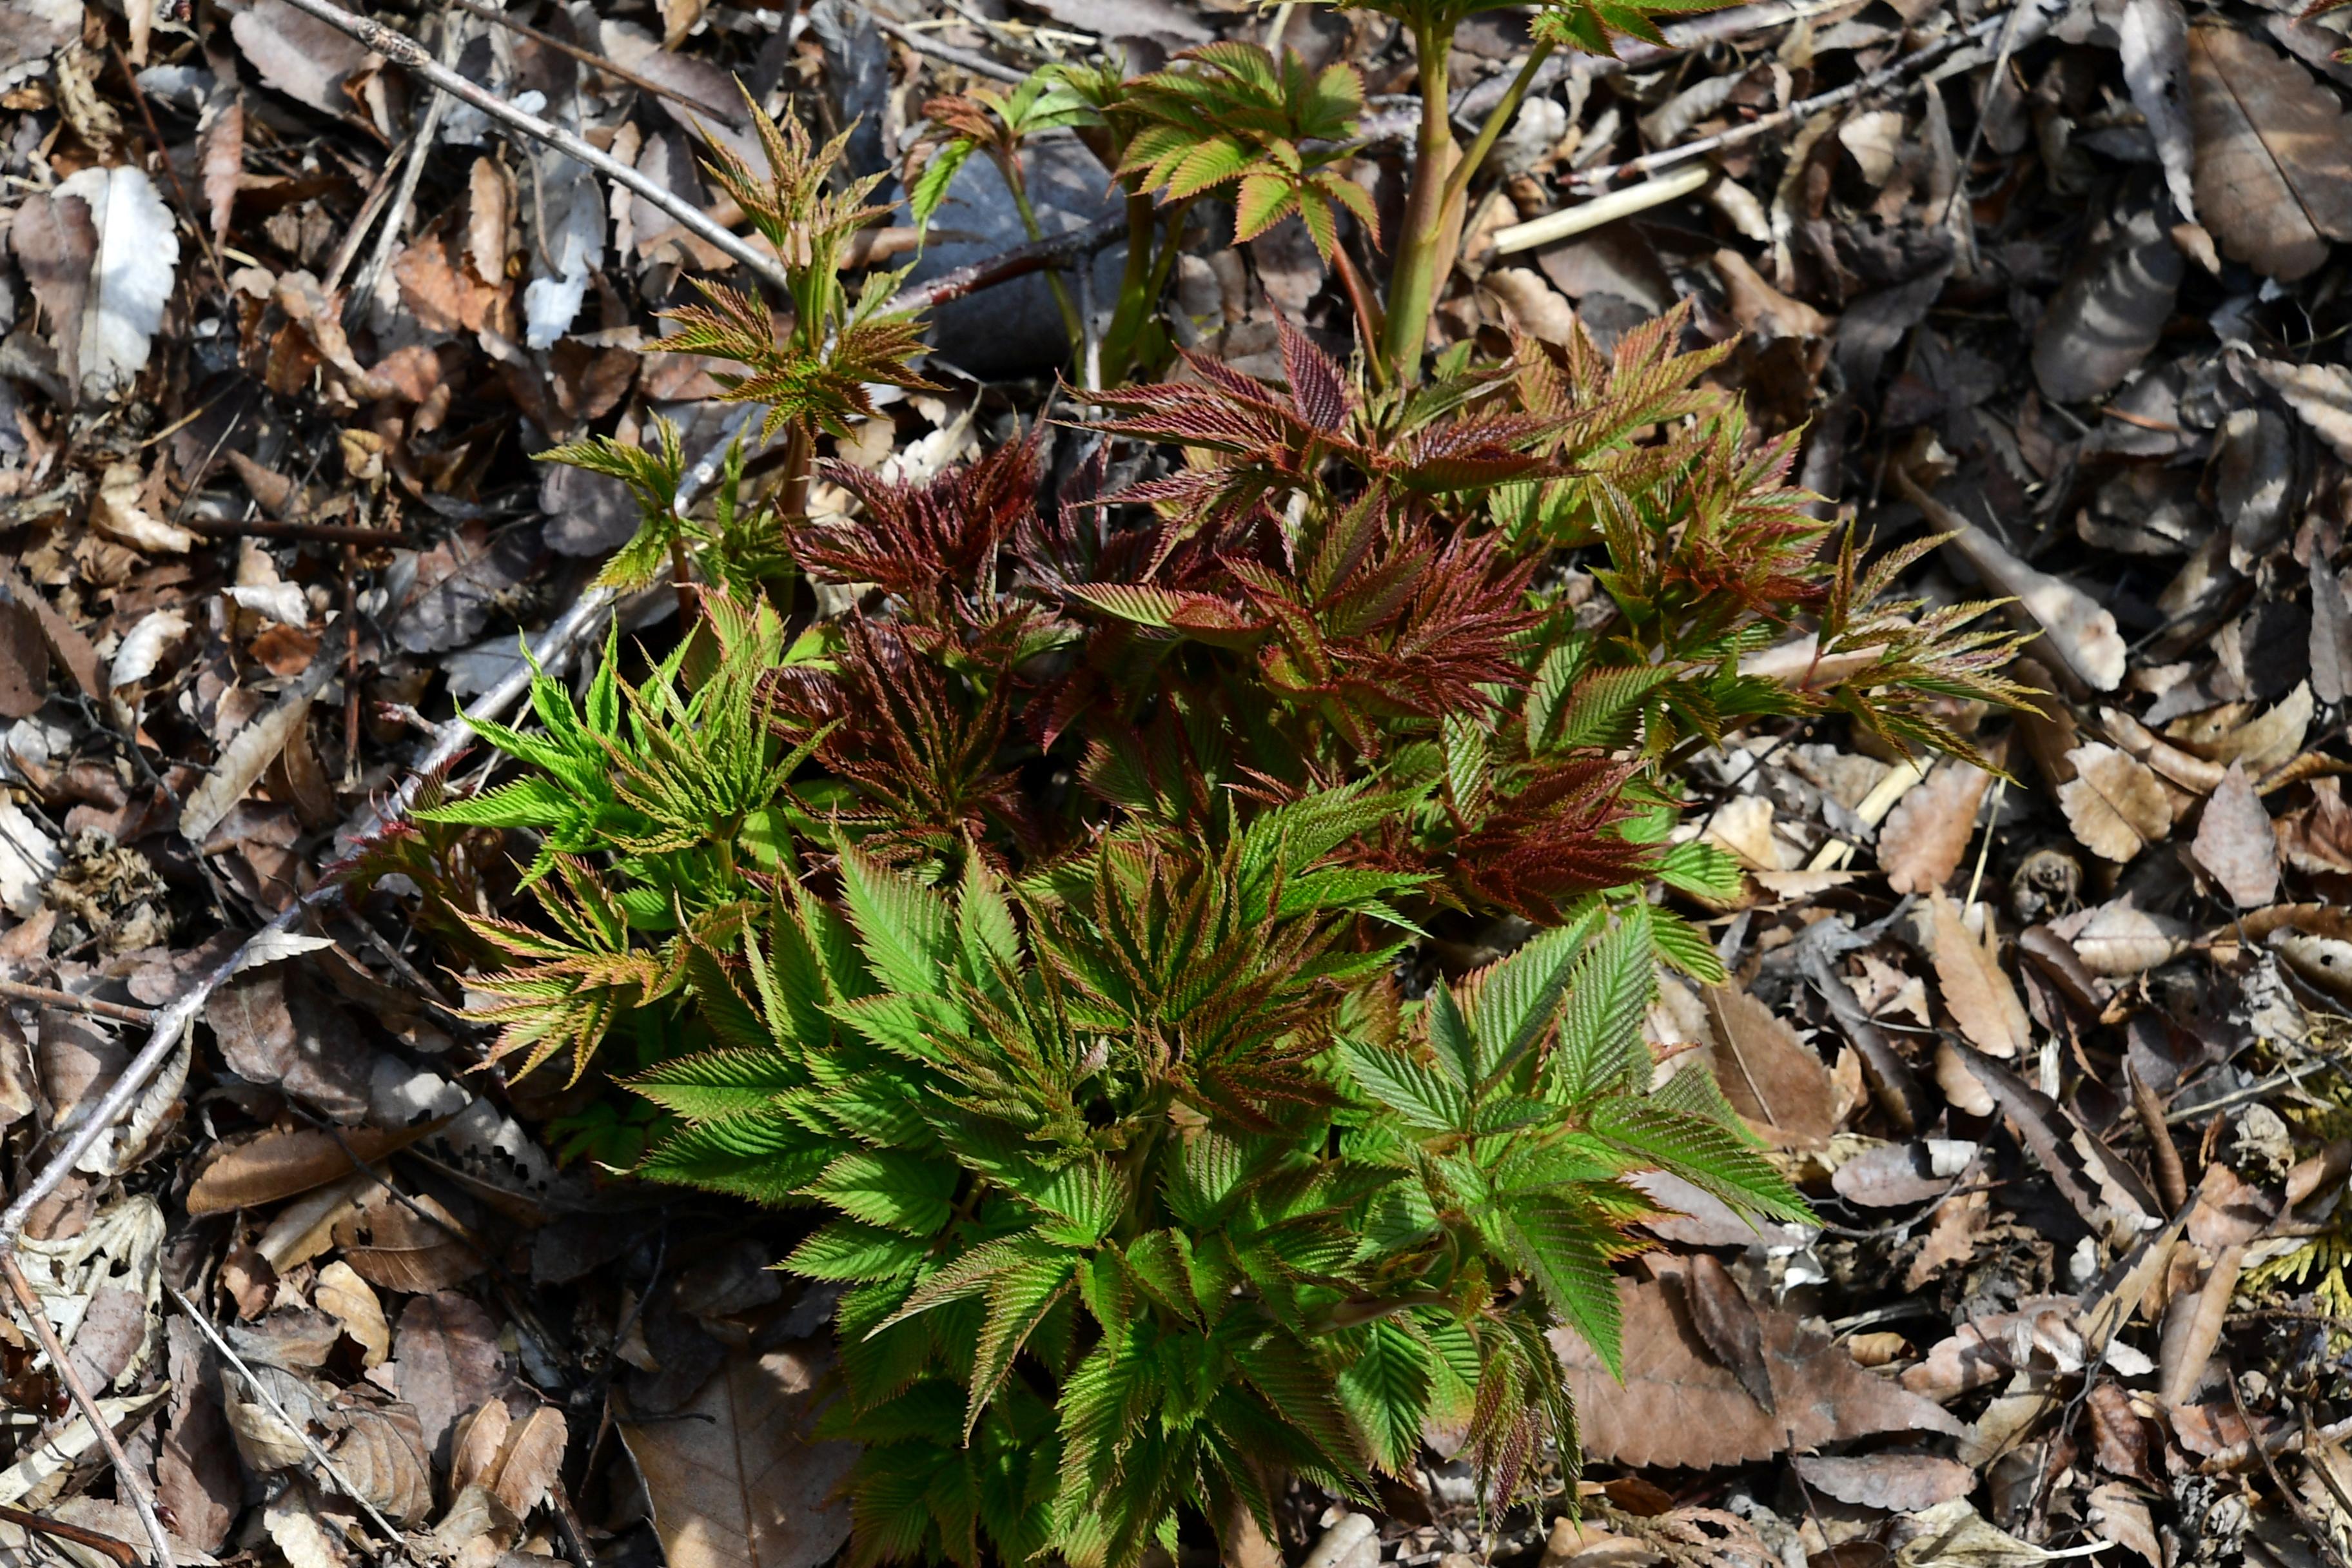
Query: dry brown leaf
(1927, 833)
(1726, 1319)
(2078, 630)
(1986, 1350)
(1771, 1076)
(244, 760)
(2274, 154)
(2120, 1514)
(279, 1030)
(344, 1295)
(2271, 740)
(220, 163)
(1976, 992)
(382, 1449)
(2119, 939)
(195, 1464)
(2119, 1436)
(282, 1161)
(298, 54)
(1761, 308)
(678, 17)
(2321, 394)
(489, 218)
(1954, 1535)
(2235, 842)
(396, 1247)
(1898, 1176)
(1678, 1407)
(2092, 1176)
(2331, 633)
(529, 1460)
(474, 1445)
(735, 1479)
(1951, 1238)
(1901, 1483)
(2116, 804)
(1531, 304)
(447, 1362)
(2110, 310)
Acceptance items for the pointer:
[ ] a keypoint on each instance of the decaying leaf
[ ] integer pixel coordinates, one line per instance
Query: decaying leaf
(2273, 162)
(1903, 1483)
(1928, 831)
(2094, 1177)
(2078, 630)
(1977, 991)
(420, 1248)
(283, 1161)
(735, 1479)
(2115, 802)
(2121, 939)
(1679, 1406)
(2236, 843)
(245, 759)
(446, 1362)
(344, 1295)
(1770, 1077)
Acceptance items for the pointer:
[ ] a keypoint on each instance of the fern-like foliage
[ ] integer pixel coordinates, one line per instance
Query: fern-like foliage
(812, 378)
(1231, 115)
(1041, 917)
(1113, 1128)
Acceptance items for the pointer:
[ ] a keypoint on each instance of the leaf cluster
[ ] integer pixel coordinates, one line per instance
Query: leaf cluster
(1073, 922)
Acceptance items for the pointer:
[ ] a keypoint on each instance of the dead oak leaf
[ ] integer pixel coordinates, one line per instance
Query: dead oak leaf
(2116, 804)
(1679, 1406)
(2235, 841)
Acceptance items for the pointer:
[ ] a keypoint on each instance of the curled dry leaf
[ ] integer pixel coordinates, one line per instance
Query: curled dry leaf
(1928, 831)
(283, 1161)
(1679, 1406)
(2118, 940)
(2079, 633)
(2274, 159)
(2320, 393)
(344, 1295)
(2115, 802)
(2236, 844)
(1976, 992)
(1901, 1483)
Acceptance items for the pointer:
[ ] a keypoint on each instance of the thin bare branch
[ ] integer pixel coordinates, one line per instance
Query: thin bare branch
(414, 57)
(319, 1456)
(126, 1478)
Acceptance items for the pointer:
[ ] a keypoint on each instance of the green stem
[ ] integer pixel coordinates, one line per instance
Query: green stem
(1458, 186)
(1414, 278)
(1134, 304)
(1010, 168)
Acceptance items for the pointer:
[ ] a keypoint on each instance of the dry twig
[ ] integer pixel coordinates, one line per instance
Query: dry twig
(126, 1478)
